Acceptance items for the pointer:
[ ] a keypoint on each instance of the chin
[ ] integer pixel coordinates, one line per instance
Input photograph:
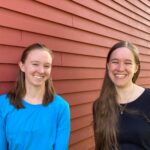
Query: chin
(121, 85)
(38, 84)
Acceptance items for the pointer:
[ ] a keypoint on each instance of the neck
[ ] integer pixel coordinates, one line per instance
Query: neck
(34, 94)
(125, 94)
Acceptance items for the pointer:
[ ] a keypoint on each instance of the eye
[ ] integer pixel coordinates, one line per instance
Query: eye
(114, 62)
(35, 64)
(128, 63)
(47, 66)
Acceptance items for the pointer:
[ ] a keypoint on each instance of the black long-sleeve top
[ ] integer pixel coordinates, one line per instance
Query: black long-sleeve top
(134, 128)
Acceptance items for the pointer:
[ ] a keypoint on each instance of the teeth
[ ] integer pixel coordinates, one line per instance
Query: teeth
(39, 77)
(120, 75)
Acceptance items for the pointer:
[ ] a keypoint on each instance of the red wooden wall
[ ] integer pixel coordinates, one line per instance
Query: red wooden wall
(80, 32)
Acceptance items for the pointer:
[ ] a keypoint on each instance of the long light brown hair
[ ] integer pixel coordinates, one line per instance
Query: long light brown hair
(105, 108)
(16, 94)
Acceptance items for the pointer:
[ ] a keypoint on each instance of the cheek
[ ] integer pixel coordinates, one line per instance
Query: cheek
(29, 70)
(48, 71)
(132, 69)
(111, 67)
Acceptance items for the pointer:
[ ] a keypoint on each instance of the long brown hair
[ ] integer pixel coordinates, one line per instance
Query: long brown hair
(105, 108)
(16, 94)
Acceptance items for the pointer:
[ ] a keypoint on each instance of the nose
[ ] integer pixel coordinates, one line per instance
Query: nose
(41, 69)
(121, 67)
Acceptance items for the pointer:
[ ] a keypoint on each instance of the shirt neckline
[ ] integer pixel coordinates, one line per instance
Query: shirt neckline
(134, 101)
(25, 103)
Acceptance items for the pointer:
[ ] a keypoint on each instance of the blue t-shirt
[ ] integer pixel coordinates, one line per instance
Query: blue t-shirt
(35, 127)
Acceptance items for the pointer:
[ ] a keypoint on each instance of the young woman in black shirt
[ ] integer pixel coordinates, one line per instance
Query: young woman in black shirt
(121, 112)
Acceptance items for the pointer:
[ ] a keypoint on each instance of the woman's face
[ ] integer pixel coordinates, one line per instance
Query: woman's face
(121, 67)
(37, 67)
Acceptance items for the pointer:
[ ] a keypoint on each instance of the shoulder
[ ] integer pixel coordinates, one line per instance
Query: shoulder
(61, 106)
(146, 93)
(147, 90)
(5, 105)
(143, 102)
(60, 101)
(4, 100)
(141, 93)
(144, 99)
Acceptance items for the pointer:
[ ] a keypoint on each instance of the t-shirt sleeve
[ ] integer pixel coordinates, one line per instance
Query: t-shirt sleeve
(63, 129)
(3, 112)
(3, 141)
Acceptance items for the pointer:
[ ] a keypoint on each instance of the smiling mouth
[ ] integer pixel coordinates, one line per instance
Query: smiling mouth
(39, 77)
(120, 76)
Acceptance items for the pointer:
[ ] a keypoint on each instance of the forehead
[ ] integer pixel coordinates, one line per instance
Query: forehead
(122, 53)
(38, 54)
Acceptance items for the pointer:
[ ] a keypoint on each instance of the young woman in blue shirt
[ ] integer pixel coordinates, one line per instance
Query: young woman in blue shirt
(32, 115)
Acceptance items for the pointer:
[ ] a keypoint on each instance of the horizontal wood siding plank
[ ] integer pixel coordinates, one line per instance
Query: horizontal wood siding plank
(81, 122)
(144, 50)
(81, 135)
(82, 61)
(8, 72)
(142, 81)
(86, 144)
(145, 65)
(144, 58)
(14, 52)
(145, 73)
(70, 86)
(81, 110)
(79, 98)
(9, 36)
(64, 73)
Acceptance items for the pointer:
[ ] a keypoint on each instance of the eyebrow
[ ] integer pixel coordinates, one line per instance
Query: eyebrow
(118, 59)
(39, 62)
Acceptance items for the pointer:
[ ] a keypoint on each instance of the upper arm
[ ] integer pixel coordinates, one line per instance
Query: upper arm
(63, 129)
(3, 112)
(3, 141)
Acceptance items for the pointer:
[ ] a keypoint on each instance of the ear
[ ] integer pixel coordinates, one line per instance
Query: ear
(21, 66)
(136, 68)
